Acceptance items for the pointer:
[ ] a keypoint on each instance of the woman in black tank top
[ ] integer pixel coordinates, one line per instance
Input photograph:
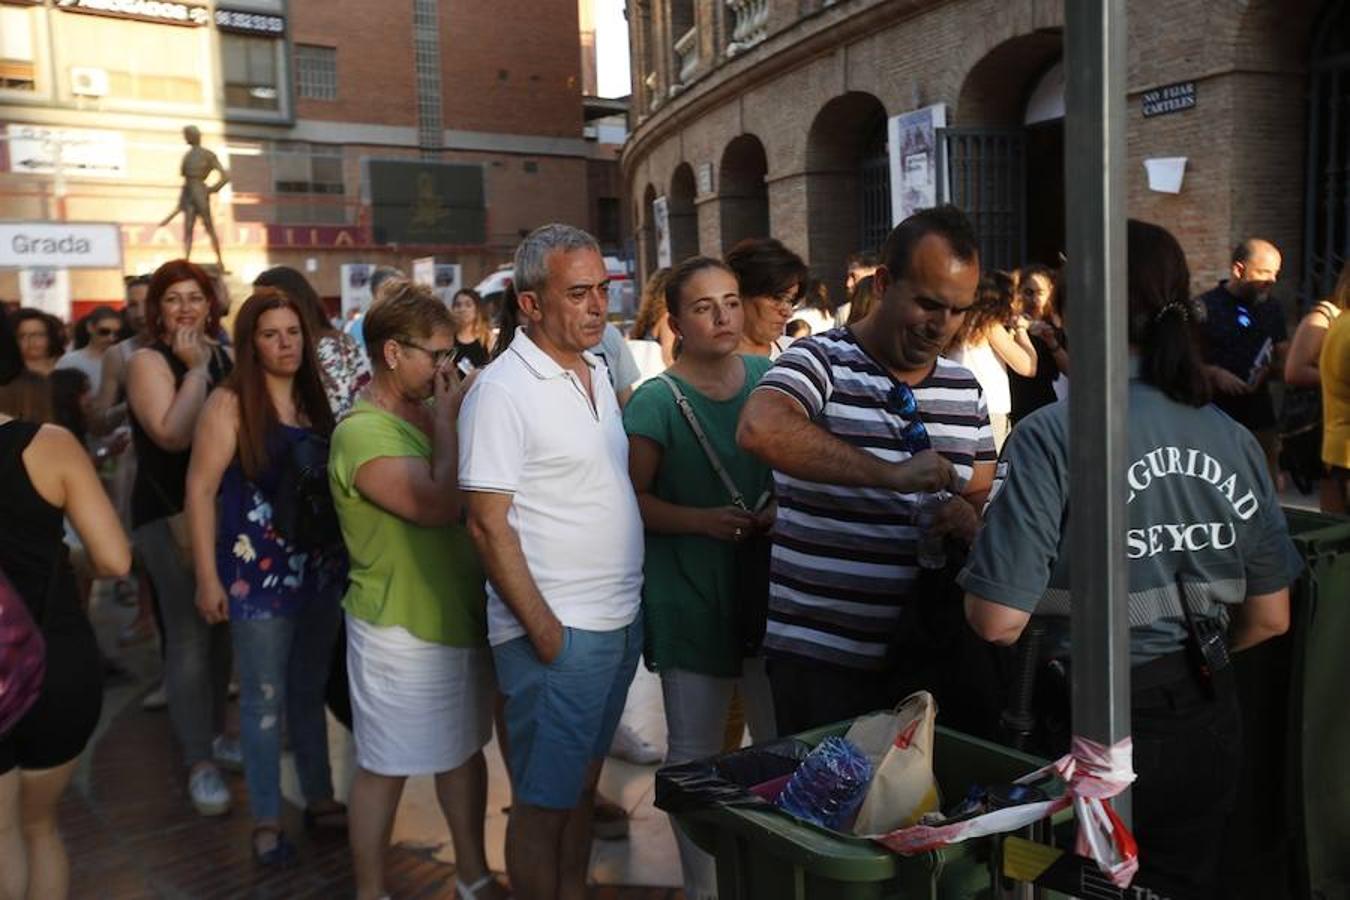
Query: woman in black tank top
(46, 476)
(167, 385)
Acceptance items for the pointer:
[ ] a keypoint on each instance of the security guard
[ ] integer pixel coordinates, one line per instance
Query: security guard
(1209, 553)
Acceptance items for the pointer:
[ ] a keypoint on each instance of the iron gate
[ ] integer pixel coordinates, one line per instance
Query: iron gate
(982, 171)
(874, 204)
(1326, 202)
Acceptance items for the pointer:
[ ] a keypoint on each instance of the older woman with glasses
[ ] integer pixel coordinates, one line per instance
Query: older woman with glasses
(771, 279)
(420, 671)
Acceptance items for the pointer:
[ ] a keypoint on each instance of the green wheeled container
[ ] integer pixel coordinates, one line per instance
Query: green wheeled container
(1291, 830)
(763, 854)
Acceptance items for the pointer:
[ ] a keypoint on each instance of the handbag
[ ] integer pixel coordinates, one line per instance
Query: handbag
(751, 576)
(23, 655)
(302, 510)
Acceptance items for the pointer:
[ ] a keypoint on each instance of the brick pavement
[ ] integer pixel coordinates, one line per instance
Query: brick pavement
(132, 834)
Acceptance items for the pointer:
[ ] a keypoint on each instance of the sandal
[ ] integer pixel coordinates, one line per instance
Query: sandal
(332, 818)
(282, 853)
(470, 891)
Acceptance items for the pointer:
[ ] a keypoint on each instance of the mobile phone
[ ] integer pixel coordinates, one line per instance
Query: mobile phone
(464, 366)
(1261, 361)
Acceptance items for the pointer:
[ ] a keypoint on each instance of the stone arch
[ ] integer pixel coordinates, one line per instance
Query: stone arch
(995, 91)
(838, 182)
(683, 214)
(743, 194)
(1004, 160)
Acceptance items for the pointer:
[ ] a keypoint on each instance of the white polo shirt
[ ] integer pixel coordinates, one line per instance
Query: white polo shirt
(527, 429)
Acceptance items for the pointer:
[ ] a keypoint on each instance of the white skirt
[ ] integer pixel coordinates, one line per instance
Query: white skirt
(418, 708)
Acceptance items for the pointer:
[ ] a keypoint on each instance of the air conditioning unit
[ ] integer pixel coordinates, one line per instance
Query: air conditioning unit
(88, 82)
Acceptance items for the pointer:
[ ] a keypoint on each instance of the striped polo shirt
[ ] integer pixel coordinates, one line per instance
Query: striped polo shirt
(844, 557)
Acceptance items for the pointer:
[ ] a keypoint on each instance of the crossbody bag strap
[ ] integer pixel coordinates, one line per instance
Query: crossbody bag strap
(714, 460)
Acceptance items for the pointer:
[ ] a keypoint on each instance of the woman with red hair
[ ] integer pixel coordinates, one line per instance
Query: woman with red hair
(167, 385)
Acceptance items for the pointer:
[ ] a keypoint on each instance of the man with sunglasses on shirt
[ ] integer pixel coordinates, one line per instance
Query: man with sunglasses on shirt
(1245, 342)
(863, 426)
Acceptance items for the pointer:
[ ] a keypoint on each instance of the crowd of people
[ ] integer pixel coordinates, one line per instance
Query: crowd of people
(793, 510)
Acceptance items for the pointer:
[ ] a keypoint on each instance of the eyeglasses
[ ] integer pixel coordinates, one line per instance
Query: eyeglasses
(914, 434)
(106, 332)
(438, 357)
(787, 298)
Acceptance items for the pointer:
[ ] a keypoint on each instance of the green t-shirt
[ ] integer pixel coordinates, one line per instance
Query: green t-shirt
(692, 618)
(428, 580)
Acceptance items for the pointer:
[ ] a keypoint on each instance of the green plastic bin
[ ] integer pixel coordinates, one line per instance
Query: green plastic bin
(1320, 738)
(766, 855)
(1290, 832)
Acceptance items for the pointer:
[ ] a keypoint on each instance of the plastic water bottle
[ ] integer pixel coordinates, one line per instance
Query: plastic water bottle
(932, 550)
(829, 785)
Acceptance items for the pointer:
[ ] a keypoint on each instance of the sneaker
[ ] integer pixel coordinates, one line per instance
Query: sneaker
(156, 699)
(631, 746)
(227, 754)
(208, 792)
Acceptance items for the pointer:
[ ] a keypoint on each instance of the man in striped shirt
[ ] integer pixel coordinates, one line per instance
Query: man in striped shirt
(860, 424)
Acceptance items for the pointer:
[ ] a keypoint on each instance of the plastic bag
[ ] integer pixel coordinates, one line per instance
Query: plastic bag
(727, 780)
(900, 745)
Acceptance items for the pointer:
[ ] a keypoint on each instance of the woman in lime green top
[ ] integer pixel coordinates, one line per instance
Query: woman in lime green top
(695, 632)
(417, 656)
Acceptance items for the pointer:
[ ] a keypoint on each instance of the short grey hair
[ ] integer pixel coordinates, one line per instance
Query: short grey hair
(531, 262)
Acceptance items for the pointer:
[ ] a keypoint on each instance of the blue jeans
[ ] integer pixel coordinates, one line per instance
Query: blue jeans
(283, 665)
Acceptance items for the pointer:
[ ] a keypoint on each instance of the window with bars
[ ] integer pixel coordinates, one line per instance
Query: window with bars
(316, 72)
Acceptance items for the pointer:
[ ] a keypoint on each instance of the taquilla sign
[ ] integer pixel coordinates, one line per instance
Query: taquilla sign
(60, 245)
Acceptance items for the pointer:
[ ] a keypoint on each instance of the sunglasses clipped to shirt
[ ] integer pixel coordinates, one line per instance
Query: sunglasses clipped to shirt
(914, 434)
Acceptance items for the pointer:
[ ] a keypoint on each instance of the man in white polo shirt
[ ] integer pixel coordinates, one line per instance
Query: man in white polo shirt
(544, 459)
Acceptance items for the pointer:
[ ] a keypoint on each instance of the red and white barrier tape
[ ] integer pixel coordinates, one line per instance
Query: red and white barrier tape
(1093, 773)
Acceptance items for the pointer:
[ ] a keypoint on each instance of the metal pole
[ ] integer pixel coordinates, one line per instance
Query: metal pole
(1095, 186)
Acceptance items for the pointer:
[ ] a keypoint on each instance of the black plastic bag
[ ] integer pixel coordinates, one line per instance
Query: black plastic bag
(725, 781)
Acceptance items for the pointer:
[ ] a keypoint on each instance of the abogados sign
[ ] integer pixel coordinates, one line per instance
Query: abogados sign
(60, 245)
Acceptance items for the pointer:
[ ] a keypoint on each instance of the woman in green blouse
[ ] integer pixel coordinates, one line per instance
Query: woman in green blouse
(696, 636)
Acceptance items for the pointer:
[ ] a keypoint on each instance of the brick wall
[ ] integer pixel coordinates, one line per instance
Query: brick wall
(376, 81)
(1245, 140)
(512, 66)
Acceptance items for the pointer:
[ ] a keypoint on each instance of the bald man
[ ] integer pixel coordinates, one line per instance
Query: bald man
(1245, 342)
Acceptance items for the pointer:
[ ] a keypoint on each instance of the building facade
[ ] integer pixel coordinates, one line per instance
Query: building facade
(822, 121)
(352, 131)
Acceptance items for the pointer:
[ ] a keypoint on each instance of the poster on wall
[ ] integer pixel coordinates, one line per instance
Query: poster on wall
(661, 224)
(355, 288)
(449, 278)
(912, 144)
(47, 290)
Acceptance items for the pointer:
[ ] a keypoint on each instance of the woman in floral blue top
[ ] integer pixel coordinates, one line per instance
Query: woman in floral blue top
(281, 600)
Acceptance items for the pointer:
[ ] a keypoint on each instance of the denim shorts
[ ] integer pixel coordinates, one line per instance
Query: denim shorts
(562, 716)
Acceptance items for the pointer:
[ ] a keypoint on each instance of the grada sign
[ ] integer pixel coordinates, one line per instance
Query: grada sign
(58, 245)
